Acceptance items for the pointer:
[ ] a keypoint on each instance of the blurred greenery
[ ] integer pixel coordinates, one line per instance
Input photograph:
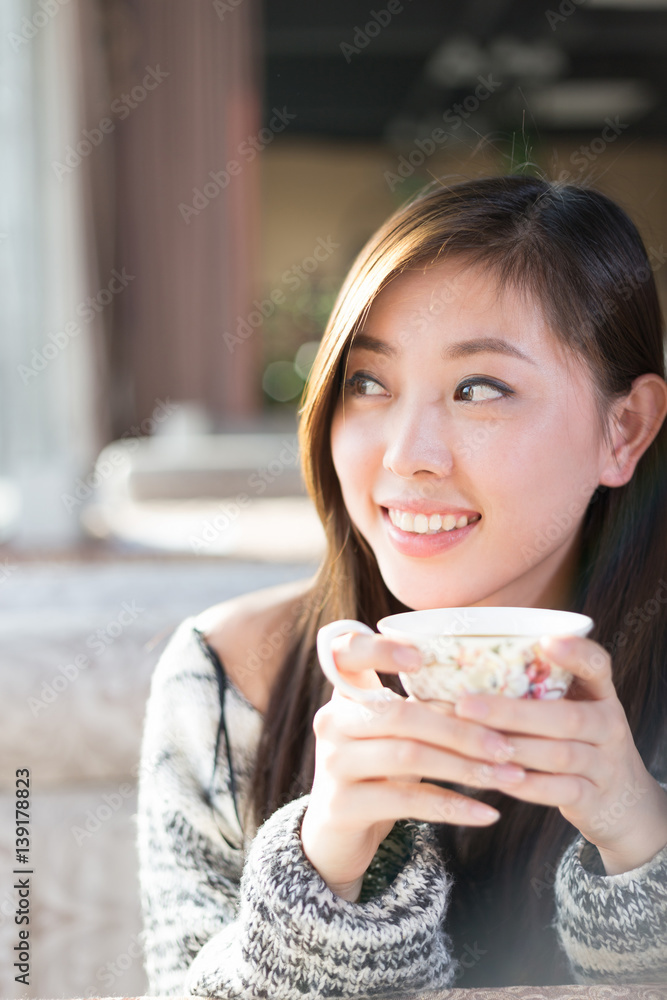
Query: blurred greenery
(299, 320)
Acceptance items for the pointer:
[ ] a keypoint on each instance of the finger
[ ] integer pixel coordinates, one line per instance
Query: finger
(432, 723)
(563, 719)
(588, 661)
(379, 801)
(367, 655)
(565, 790)
(361, 760)
(558, 756)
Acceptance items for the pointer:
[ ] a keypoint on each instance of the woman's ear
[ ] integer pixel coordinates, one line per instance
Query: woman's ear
(635, 421)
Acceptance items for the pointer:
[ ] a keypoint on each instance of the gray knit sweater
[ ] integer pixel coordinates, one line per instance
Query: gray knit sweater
(230, 911)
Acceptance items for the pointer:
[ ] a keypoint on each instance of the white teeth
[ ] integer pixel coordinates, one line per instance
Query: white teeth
(422, 524)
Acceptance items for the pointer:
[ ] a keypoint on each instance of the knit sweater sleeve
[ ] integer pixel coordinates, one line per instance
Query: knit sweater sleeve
(613, 928)
(237, 914)
(295, 939)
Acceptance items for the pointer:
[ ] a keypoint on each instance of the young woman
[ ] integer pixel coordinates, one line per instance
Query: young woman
(494, 362)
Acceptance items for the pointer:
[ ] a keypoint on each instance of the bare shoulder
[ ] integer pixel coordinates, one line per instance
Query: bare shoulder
(237, 628)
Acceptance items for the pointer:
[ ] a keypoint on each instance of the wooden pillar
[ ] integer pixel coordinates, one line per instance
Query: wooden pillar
(187, 84)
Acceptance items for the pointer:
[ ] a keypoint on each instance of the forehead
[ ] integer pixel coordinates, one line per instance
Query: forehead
(462, 295)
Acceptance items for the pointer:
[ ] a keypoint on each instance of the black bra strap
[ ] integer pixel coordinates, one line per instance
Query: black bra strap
(213, 658)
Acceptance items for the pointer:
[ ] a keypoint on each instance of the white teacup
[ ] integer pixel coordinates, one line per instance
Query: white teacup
(467, 651)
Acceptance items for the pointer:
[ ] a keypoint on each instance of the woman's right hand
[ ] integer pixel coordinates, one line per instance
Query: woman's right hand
(370, 761)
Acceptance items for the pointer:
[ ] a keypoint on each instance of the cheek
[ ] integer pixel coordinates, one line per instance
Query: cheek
(352, 440)
(538, 472)
(349, 452)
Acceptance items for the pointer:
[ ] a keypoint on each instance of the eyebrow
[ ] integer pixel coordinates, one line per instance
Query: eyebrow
(462, 349)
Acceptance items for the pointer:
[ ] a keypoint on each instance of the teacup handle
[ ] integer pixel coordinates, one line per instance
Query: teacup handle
(324, 637)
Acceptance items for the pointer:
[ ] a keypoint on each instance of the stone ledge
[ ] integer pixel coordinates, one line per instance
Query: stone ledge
(629, 992)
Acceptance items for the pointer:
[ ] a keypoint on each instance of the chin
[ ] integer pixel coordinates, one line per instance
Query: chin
(421, 590)
(420, 596)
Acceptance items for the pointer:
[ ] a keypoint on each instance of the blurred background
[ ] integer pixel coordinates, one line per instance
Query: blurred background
(183, 186)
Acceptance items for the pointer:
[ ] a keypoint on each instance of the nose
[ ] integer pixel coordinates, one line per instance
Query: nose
(417, 444)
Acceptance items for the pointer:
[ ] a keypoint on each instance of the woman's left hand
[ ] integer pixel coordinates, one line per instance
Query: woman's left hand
(580, 756)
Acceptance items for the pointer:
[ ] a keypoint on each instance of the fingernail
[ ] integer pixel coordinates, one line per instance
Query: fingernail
(471, 708)
(408, 657)
(555, 644)
(509, 774)
(480, 811)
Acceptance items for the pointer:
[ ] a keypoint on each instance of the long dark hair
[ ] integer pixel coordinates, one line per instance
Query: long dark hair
(579, 255)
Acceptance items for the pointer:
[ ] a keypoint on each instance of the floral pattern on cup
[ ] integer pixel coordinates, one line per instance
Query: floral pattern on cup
(486, 666)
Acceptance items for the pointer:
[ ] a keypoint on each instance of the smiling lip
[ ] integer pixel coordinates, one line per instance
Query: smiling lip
(426, 507)
(412, 544)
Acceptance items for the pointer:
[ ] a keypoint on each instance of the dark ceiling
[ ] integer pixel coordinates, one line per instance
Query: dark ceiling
(558, 67)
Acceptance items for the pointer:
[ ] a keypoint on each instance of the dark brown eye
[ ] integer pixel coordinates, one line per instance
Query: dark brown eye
(361, 385)
(480, 390)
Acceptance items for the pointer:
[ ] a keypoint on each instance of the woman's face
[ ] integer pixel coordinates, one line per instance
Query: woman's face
(464, 409)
